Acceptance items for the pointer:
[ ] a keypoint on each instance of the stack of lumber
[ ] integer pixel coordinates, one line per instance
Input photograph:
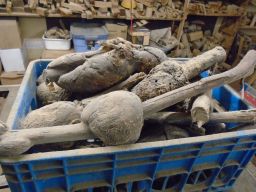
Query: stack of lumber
(93, 8)
(249, 19)
(159, 9)
(197, 38)
(214, 7)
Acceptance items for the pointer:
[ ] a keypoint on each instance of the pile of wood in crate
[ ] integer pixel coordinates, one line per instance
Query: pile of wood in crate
(125, 93)
(91, 8)
(214, 7)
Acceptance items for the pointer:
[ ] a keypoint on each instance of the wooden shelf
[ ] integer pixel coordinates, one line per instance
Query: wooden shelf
(25, 14)
(216, 14)
(247, 27)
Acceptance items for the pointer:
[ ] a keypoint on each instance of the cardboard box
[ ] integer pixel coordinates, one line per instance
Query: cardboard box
(13, 59)
(10, 37)
(34, 48)
(12, 78)
(53, 54)
(32, 27)
(117, 30)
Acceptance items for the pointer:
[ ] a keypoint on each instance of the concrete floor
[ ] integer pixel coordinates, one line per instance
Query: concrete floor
(247, 181)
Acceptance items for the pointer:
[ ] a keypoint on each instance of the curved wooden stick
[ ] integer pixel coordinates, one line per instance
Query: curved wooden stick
(244, 69)
(17, 142)
(243, 116)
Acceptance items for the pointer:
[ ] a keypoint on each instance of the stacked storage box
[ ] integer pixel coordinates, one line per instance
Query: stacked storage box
(85, 36)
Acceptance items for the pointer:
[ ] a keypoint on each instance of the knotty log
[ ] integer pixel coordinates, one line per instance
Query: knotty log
(171, 75)
(126, 122)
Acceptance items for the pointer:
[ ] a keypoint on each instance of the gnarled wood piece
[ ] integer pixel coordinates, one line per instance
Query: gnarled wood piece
(171, 75)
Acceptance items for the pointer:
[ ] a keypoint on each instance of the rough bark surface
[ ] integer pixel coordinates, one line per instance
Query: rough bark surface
(115, 118)
(58, 113)
(48, 94)
(171, 75)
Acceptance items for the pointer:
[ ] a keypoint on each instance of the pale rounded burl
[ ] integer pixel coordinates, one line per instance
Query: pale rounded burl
(116, 118)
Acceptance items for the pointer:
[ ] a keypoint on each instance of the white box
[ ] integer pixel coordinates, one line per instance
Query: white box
(34, 48)
(57, 44)
(13, 60)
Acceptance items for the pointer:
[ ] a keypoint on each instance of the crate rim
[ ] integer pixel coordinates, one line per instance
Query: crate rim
(125, 148)
(108, 149)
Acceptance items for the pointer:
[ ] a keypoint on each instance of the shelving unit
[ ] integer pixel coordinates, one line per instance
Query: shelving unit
(179, 21)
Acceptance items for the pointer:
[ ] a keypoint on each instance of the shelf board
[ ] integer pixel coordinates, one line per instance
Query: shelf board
(216, 14)
(247, 27)
(26, 14)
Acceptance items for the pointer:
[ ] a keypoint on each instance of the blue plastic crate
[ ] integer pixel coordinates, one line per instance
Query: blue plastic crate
(85, 36)
(206, 163)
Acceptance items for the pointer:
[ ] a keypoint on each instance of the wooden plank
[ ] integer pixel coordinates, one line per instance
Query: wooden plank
(193, 36)
(74, 7)
(253, 21)
(65, 11)
(102, 4)
(41, 11)
(217, 25)
(240, 48)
